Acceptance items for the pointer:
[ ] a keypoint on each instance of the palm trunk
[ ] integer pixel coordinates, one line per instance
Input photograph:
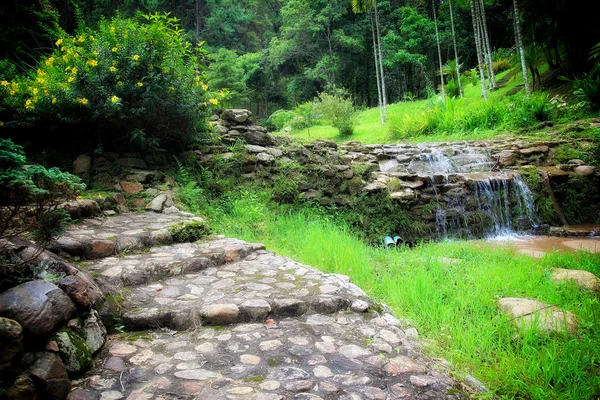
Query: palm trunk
(519, 36)
(382, 76)
(478, 47)
(484, 50)
(455, 50)
(486, 37)
(379, 98)
(437, 38)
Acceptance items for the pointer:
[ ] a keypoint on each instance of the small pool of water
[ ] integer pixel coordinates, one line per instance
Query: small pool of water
(538, 246)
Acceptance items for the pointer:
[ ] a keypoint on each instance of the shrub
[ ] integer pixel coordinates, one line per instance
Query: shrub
(134, 84)
(29, 199)
(335, 106)
(501, 65)
(281, 118)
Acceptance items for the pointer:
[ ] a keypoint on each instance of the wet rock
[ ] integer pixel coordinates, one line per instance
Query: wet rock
(50, 376)
(38, 306)
(404, 365)
(82, 290)
(530, 313)
(81, 394)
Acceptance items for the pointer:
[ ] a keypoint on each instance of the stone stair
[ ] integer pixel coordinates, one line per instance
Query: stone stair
(226, 319)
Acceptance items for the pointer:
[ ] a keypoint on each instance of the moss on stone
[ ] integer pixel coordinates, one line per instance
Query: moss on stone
(73, 351)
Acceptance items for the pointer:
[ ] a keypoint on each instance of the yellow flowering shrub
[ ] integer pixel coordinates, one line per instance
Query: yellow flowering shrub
(135, 83)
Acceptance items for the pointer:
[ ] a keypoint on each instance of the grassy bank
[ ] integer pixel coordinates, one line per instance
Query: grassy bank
(450, 291)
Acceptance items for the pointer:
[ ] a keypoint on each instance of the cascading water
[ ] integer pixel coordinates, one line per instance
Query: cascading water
(469, 198)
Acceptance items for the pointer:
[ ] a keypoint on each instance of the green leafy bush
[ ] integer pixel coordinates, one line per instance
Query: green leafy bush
(130, 84)
(281, 119)
(501, 65)
(335, 106)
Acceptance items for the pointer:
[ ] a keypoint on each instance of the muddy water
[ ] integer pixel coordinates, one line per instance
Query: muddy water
(538, 246)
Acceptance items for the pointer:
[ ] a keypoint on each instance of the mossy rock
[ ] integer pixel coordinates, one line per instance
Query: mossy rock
(189, 232)
(73, 351)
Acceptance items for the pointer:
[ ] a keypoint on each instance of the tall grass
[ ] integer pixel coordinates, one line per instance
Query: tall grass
(455, 116)
(450, 291)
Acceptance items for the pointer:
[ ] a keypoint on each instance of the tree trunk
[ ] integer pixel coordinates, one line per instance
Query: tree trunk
(478, 47)
(437, 39)
(382, 75)
(455, 50)
(520, 47)
(379, 98)
(486, 37)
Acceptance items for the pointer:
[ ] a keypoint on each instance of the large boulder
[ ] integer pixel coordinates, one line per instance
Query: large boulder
(39, 306)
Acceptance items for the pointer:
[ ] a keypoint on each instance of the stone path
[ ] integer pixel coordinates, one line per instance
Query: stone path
(226, 319)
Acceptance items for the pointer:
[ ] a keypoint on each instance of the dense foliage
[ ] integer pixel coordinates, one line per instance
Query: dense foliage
(128, 84)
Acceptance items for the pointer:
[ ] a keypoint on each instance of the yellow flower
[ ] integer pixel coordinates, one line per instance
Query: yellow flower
(54, 100)
(4, 83)
(114, 99)
(59, 42)
(112, 29)
(112, 69)
(136, 57)
(214, 101)
(49, 61)
(65, 58)
(12, 92)
(1, 124)
(46, 92)
(81, 38)
(204, 86)
(95, 52)
(114, 49)
(92, 38)
(92, 63)
(29, 105)
(40, 80)
(40, 72)
(140, 84)
(73, 70)
(119, 83)
(71, 79)
(83, 101)
(221, 93)
(34, 90)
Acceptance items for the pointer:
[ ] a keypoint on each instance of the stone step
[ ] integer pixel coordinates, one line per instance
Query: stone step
(260, 286)
(161, 262)
(105, 237)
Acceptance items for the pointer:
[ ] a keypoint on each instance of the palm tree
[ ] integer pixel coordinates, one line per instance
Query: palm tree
(360, 6)
(455, 50)
(486, 41)
(519, 37)
(535, 58)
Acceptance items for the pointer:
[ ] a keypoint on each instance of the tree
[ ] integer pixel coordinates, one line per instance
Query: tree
(455, 48)
(437, 39)
(480, 60)
(224, 72)
(519, 38)
(360, 6)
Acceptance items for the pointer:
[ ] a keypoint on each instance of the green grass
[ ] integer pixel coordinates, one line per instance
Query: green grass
(370, 129)
(453, 305)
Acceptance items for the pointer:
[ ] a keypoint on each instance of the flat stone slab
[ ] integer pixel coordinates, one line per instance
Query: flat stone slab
(257, 287)
(338, 356)
(103, 237)
(530, 313)
(583, 279)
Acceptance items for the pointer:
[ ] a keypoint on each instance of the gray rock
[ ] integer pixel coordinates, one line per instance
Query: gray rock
(256, 309)
(95, 332)
(252, 148)
(265, 158)
(82, 164)
(81, 289)
(359, 306)
(237, 115)
(171, 210)
(157, 203)
(531, 313)
(289, 307)
(327, 304)
(585, 170)
(39, 306)
(50, 376)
